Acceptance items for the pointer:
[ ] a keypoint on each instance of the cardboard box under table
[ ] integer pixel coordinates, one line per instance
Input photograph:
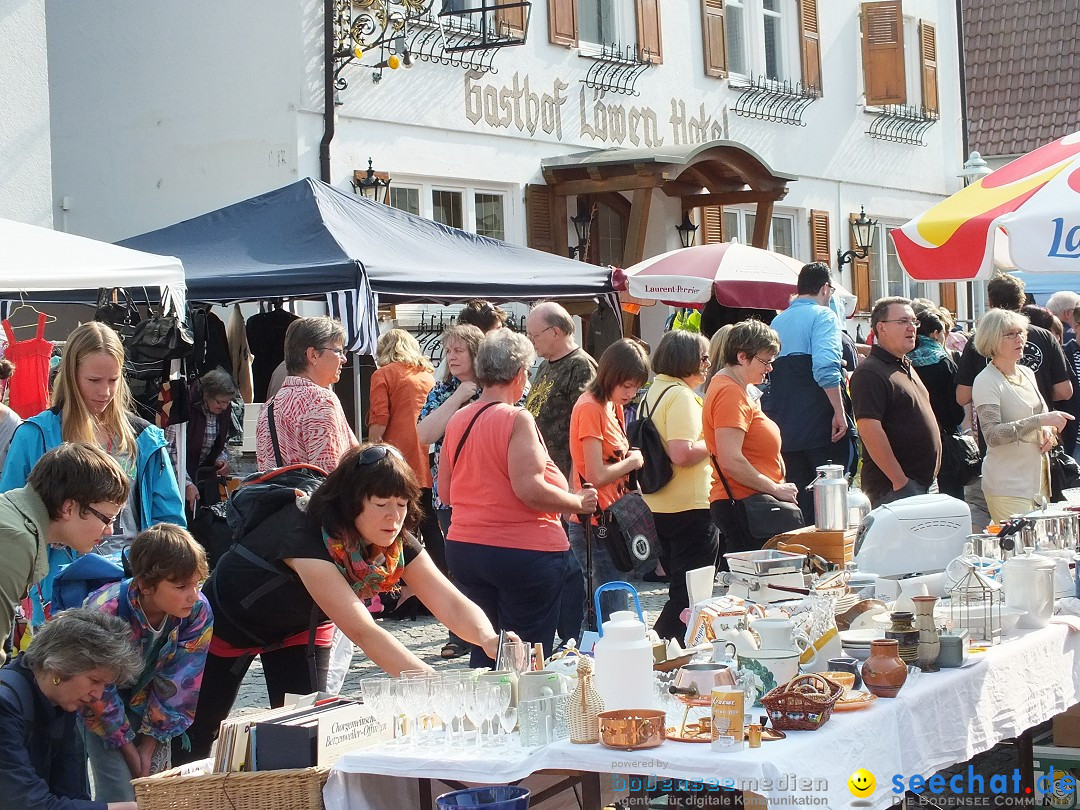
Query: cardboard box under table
(1061, 768)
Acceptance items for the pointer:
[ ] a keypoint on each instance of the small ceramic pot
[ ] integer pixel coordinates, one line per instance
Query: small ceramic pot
(884, 672)
(847, 665)
(902, 630)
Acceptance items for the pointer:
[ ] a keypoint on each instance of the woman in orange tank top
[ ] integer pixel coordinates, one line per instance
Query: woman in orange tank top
(506, 548)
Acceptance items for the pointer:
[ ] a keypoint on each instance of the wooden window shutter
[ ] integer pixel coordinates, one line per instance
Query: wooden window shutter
(714, 37)
(649, 39)
(819, 237)
(860, 274)
(883, 53)
(712, 225)
(947, 296)
(562, 22)
(510, 21)
(928, 60)
(540, 226)
(810, 44)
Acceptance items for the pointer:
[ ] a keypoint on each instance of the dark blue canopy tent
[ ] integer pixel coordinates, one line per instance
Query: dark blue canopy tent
(310, 238)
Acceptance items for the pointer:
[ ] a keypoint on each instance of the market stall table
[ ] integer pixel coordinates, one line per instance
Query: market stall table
(937, 720)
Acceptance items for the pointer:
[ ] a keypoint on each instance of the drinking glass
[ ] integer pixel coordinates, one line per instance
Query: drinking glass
(416, 700)
(476, 701)
(507, 721)
(514, 656)
(378, 695)
(499, 702)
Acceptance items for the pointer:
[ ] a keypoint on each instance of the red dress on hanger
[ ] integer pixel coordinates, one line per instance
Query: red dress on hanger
(29, 392)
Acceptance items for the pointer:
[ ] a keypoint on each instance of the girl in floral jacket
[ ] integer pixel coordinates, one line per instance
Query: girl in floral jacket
(127, 732)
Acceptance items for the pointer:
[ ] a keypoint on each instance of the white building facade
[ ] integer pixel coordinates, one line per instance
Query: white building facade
(26, 193)
(163, 112)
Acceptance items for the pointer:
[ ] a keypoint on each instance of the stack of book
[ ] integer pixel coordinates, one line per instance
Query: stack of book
(297, 736)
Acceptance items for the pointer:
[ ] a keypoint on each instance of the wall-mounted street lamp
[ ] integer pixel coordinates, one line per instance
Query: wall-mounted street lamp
(371, 185)
(687, 230)
(975, 168)
(863, 230)
(582, 225)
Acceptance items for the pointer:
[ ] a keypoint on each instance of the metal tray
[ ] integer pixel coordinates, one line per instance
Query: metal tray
(766, 561)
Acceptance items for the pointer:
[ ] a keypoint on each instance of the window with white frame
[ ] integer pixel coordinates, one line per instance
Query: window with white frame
(887, 276)
(912, 62)
(739, 225)
(486, 212)
(763, 38)
(603, 22)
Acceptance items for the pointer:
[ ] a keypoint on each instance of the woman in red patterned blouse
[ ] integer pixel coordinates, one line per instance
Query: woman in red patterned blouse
(309, 421)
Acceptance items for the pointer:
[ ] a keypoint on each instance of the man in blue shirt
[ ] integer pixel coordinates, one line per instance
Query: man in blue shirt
(805, 392)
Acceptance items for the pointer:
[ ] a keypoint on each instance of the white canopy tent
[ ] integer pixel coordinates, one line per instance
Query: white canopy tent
(34, 259)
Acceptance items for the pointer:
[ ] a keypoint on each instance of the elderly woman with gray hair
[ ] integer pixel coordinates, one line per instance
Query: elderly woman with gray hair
(506, 546)
(73, 658)
(1014, 419)
(304, 422)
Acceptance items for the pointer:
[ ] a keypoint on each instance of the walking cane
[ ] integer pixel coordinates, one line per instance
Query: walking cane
(590, 584)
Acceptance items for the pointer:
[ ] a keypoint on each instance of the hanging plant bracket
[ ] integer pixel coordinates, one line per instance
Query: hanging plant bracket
(780, 102)
(902, 123)
(616, 69)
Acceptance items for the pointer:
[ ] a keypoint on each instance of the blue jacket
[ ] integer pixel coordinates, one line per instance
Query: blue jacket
(157, 493)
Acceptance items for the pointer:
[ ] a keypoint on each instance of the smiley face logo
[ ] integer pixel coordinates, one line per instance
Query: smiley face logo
(861, 783)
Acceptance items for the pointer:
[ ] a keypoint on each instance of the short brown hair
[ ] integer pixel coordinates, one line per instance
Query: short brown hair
(309, 333)
(339, 501)
(166, 552)
(749, 338)
(623, 361)
(484, 315)
(80, 472)
(679, 353)
(1006, 292)
(880, 312)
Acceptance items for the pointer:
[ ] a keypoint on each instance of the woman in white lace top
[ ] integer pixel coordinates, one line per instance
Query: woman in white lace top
(1017, 425)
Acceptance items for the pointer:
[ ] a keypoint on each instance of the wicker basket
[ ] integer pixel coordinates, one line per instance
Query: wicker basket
(793, 710)
(299, 789)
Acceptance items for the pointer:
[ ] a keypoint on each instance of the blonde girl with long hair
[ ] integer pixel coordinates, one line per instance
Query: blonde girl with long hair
(399, 346)
(91, 403)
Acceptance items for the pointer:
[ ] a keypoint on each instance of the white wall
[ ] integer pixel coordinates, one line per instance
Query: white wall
(25, 163)
(165, 111)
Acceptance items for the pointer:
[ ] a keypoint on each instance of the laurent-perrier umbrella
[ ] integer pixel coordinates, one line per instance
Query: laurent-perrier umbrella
(1025, 215)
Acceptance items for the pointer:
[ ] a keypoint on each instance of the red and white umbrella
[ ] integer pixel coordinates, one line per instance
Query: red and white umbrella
(740, 276)
(1025, 215)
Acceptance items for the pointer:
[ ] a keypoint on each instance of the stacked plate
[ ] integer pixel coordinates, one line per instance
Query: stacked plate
(857, 642)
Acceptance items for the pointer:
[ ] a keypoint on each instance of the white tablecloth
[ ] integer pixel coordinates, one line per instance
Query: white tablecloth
(937, 720)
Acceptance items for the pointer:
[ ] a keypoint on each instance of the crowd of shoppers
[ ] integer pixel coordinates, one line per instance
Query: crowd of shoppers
(480, 495)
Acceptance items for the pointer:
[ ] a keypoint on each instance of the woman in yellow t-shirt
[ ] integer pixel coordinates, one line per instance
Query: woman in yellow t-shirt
(688, 538)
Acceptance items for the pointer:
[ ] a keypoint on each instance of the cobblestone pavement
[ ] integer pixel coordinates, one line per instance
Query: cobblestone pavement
(425, 637)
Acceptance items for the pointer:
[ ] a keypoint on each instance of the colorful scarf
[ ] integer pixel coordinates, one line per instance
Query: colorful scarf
(927, 351)
(367, 578)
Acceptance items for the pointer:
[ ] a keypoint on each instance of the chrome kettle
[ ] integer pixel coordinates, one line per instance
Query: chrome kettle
(858, 507)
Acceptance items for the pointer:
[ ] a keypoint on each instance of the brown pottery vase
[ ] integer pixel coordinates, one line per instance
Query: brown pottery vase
(884, 672)
(903, 631)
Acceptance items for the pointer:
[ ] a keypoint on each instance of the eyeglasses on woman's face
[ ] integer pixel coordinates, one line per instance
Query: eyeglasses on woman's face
(767, 362)
(340, 352)
(1014, 334)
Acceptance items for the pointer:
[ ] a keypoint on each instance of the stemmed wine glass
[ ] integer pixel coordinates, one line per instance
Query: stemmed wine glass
(415, 699)
(507, 721)
(476, 700)
(499, 702)
(378, 695)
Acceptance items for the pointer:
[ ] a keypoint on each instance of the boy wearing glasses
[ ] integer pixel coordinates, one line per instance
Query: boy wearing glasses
(71, 498)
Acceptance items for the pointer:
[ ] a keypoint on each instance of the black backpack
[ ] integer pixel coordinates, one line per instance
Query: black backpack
(643, 435)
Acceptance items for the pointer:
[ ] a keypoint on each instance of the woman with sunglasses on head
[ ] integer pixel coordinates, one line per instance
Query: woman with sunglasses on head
(352, 539)
(92, 403)
(743, 442)
(304, 422)
(681, 507)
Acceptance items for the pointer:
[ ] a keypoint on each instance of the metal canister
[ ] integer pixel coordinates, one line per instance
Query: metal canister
(830, 498)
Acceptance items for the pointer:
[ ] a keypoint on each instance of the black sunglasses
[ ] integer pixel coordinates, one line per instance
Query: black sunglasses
(376, 453)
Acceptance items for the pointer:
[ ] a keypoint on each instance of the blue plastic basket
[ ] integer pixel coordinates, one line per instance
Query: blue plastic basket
(498, 797)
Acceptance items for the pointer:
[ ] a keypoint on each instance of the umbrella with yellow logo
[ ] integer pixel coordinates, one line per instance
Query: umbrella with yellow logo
(1025, 215)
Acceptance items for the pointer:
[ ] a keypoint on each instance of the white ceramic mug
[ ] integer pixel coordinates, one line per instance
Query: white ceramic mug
(779, 634)
(771, 667)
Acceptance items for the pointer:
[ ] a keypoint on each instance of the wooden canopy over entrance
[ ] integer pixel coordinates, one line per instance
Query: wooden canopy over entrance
(716, 173)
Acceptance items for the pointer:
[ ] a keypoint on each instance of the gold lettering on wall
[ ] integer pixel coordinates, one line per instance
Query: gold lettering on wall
(517, 105)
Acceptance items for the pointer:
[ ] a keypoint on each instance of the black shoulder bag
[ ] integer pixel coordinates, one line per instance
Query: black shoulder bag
(757, 518)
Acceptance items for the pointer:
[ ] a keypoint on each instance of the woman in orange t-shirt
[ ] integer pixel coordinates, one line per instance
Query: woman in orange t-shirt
(742, 440)
(602, 455)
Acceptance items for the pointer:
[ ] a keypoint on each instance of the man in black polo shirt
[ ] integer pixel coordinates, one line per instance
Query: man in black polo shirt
(901, 445)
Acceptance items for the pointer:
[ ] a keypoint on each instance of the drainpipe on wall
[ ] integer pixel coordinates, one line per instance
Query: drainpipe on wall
(328, 90)
(963, 78)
